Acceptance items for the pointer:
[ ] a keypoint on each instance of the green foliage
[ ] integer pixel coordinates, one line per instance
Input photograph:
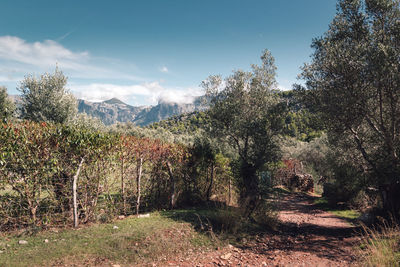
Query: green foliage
(301, 122)
(39, 160)
(245, 112)
(7, 106)
(47, 99)
(191, 123)
(28, 161)
(353, 83)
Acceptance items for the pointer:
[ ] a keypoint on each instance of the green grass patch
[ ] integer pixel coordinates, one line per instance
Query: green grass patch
(280, 190)
(381, 246)
(348, 214)
(136, 240)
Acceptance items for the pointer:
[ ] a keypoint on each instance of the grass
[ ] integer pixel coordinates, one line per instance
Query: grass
(381, 246)
(348, 214)
(136, 240)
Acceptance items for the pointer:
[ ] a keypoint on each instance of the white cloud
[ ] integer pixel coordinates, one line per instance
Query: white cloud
(282, 88)
(164, 69)
(40, 54)
(178, 96)
(90, 78)
(39, 57)
(152, 92)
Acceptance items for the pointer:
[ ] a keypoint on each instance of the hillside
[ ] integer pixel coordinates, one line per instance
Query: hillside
(114, 110)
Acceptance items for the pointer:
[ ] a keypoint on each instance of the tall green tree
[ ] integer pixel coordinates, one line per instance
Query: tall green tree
(47, 98)
(245, 112)
(7, 106)
(354, 82)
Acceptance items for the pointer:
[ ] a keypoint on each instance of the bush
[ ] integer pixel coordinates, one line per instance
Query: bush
(225, 220)
(265, 215)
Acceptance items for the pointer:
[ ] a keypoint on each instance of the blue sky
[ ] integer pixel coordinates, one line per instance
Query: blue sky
(144, 51)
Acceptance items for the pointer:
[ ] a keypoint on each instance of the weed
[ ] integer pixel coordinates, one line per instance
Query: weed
(381, 245)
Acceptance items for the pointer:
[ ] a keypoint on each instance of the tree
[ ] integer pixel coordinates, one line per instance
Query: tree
(353, 81)
(47, 99)
(7, 107)
(246, 112)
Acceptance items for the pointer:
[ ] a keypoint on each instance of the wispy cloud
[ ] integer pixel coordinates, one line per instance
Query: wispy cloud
(164, 69)
(40, 54)
(59, 39)
(39, 57)
(90, 78)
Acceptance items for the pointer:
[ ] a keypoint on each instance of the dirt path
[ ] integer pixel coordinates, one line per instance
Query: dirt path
(306, 237)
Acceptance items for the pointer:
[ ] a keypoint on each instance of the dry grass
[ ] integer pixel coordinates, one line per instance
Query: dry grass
(381, 245)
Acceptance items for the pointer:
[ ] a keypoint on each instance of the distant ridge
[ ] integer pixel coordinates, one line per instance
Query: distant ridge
(114, 110)
(115, 101)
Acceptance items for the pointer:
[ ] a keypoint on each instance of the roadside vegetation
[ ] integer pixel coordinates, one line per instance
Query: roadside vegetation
(210, 175)
(381, 245)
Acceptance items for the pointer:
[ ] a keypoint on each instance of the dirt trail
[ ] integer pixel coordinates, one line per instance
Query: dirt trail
(307, 237)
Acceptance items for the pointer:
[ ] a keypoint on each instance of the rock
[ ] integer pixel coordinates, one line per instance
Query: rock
(144, 215)
(46, 241)
(115, 227)
(121, 217)
(226, 256)
(230, 246)
(22, 242)
(1, 251)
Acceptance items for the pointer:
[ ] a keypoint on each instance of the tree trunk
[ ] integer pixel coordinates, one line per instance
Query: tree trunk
(173, 186)
(209, 189)
(230, 191)
(138, 180)
(74, 193)
(250, 192)
(391, 200)
(123, 186)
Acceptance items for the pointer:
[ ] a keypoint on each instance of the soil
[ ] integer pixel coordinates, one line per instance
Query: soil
(307, 236)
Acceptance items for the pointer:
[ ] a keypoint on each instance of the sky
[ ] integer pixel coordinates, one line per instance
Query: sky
(146, 51)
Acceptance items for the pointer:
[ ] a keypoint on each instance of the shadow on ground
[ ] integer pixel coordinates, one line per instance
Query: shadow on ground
(303, 230)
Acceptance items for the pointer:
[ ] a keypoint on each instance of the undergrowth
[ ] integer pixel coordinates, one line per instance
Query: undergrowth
(381, 245)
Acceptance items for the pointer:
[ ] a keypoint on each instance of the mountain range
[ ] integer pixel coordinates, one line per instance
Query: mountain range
(114, 110)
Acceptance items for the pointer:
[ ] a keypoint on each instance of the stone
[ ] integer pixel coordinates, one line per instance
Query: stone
(121, 217)
(46, 241)
(226, 256)
(147, 215)
(115, 227)
(22, 242)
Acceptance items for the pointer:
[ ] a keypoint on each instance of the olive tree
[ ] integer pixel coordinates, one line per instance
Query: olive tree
(47, 99)
(7, 106)
(245, 112)
(353, 81)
